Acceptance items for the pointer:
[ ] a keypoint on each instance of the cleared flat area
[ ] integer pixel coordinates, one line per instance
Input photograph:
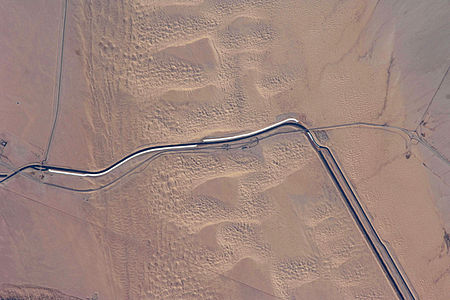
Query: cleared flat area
(261, 222)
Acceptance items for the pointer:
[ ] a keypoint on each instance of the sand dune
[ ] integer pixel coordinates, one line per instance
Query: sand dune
(260, 222)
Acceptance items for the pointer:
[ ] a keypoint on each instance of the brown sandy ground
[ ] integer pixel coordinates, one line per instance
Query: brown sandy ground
(29, 46)
(29, 292)
(235, 225)
(138, 73)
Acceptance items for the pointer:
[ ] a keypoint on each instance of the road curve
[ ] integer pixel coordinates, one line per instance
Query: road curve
(174, 147)
(390, 267)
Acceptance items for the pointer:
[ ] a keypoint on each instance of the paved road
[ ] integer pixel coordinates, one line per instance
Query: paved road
(390, 267)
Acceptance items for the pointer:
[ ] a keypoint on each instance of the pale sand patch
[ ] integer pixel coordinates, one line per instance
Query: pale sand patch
(200, 52)
(223, 188)
(254, 274)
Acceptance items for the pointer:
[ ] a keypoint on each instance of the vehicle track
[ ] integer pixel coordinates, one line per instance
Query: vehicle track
(58, 92)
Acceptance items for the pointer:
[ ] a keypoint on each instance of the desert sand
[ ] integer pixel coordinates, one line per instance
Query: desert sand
(264, 222)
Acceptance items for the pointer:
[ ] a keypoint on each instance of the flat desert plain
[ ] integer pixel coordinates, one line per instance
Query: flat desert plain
(85, 83)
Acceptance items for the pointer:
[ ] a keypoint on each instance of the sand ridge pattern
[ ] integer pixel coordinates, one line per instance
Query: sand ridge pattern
(19, 292)
(221, 234)
(259, 222)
